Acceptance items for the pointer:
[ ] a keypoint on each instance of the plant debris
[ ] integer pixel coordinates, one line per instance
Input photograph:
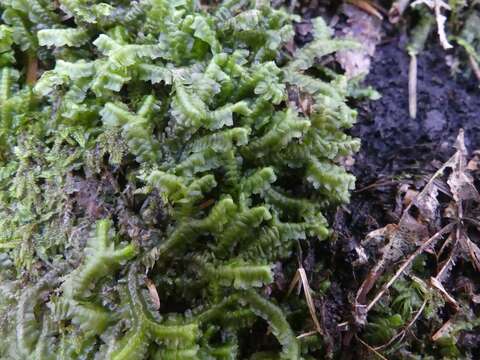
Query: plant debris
(438, 6)
(436, 226)
(365, 28)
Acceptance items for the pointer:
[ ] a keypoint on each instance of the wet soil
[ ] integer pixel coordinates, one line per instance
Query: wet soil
(393, 143)
(397, 150)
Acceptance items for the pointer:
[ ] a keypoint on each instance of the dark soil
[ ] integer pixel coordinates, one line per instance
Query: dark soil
(398, 150)
(392, 142)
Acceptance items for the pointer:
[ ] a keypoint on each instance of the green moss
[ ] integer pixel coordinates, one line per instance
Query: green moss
(168, 129)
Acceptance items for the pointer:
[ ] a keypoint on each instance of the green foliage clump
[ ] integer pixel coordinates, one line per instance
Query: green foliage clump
(174, 130)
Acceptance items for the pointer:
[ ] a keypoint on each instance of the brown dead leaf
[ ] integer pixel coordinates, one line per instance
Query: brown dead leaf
(427, 203)
(426, 244)
(450, 211)
(364, 28)
(460, 180)
(362, 257)
(152, 290)
(461, 184)
(410, 195)
(411, 231)
(381, 235)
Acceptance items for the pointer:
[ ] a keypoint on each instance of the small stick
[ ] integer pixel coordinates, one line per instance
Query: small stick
(417, 42)
(376, 184)
(412, 86)
(307, 334)
(301, 279)
(308, 297)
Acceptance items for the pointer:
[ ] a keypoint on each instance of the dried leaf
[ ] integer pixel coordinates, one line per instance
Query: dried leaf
(366, 29)
(411, 233)
(362, 257)
(152, 290)
(427, 203)
(400, 240)
(461, 184)
(410, 195)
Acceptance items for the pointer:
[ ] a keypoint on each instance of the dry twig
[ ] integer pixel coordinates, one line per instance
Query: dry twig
(412, 86)
(301, 279)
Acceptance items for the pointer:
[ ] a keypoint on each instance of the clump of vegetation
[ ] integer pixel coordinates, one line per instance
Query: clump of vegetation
(158, 173)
